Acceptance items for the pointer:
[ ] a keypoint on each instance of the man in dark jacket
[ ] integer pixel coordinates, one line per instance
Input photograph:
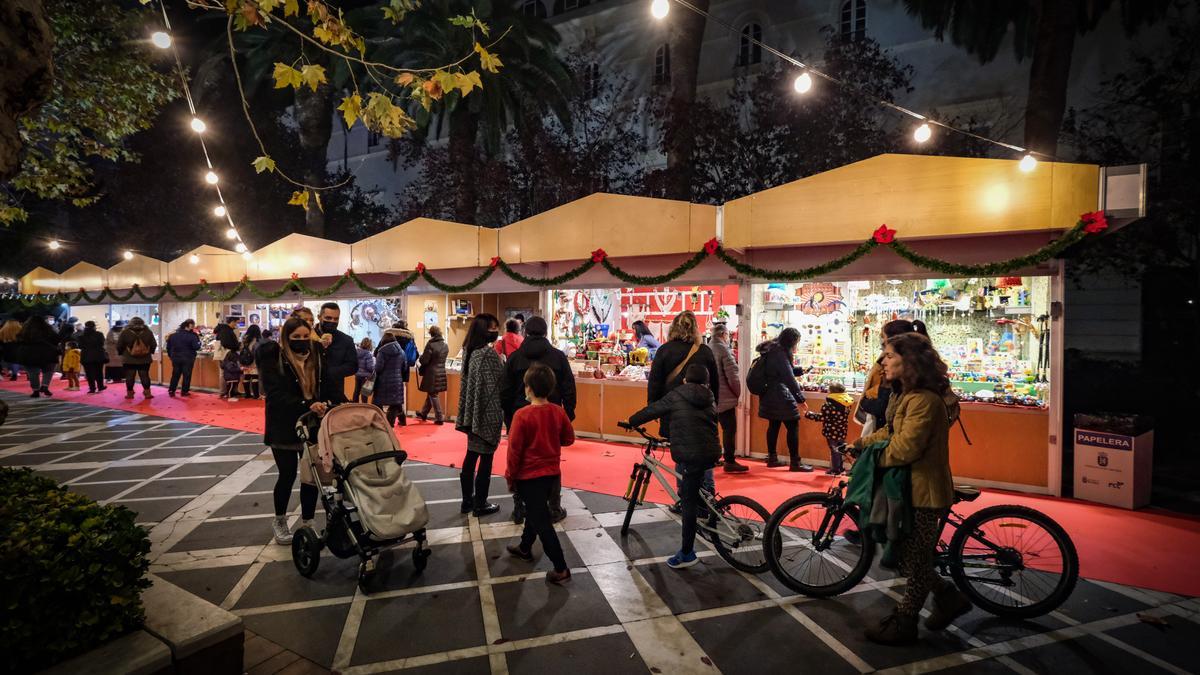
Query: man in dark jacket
(341, 357)
(182, 347)
(694, 446)
(226, 333)
(536, 349)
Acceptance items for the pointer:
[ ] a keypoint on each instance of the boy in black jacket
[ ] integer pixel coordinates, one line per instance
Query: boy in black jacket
(695, 447)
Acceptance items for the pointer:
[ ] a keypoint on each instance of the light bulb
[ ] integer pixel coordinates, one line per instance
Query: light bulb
(219, 211)
(660, 8)
(240, 248)
(128, 255)
(194, 259)
(54, 245)
(922, 133)
(210, 178)
(198, 125)
(231, 233)
(1028, 163)
(246, 255)
(160, 39)
(803, 83)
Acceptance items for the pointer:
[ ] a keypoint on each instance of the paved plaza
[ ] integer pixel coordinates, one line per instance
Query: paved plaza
(204, 494)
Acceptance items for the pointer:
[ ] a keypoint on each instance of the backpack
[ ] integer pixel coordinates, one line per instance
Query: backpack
(138, 348)
(756, 379)
(246, 356)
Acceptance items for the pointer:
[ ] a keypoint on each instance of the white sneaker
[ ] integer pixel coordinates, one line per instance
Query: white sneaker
(279, 528)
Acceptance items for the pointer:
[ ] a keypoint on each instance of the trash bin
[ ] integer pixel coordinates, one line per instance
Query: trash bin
(1114, 459)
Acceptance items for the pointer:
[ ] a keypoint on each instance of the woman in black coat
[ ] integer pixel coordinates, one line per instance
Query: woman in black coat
(779, 405)
(38, 351)
(683, 348)
(93, 355)
(293, 378)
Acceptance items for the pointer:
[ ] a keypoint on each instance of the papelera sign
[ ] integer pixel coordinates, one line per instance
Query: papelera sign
(1113, 468)
(1100, 439)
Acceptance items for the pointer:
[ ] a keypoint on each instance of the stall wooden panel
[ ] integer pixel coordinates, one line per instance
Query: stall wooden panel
(140, 270)
(453, 382)
(84, 275)
(214, 265)
(588, 407)
(308, 257)
(206, 374)
(621, 400)
(41, 280)
(812, 443)
(450, 245)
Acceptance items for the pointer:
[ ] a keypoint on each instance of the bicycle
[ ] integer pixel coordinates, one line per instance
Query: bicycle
(1011, 561)
(733, 524)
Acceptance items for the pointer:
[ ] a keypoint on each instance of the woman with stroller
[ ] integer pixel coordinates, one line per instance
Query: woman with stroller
(294, 383)
(391, 371)
(480, 415)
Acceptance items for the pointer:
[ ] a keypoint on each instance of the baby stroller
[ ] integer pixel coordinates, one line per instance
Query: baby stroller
(369, 503)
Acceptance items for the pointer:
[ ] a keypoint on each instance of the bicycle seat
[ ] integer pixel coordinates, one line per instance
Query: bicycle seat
(965, 493)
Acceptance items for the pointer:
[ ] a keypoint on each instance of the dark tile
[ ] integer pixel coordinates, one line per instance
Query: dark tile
(220, 469)
(428, 471)
(448, 563)
(648, 540)
(1174, 643)
(501, 564)
(263, 483)
(98, 456)
(128, 472)
(605, 655)
(445, 515)
(174, 487)
(479, 665)
(452, 489)
(845, 617)
(279, 583)
(61, 475)
(709, 584)
(135, 443)
(600, 503)
(162, 434)
(210, 583)
(1086, 654)
(313, 633)
(29, 458)
(431, 623)
(1089, 602)
(533, 607)
(248, 505)
(251, 450)
(171, 452)
(983, 667)
(729, 639)
(224, 534)
(155, 510)
(101, 490)
(991, 629)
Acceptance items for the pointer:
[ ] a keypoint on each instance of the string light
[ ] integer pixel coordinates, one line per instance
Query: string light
(803, 83)
(660, 8)
(923, 133)
(1028, 163)
(211, 178)
(246, 255)
(198, 125)
(240, 248)
(160, 39)
(194, 259)
(219, 211)
(128, 255)
(231, 233)
(54, 245)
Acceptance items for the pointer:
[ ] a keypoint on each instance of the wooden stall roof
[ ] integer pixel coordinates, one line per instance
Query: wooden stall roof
(83, 275)
(299, 254)
(141, 270)
(40, 280)
(920, 196)
(440, 244)
(215, 265)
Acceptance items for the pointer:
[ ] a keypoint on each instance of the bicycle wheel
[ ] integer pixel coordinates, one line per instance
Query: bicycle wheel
(737, 533)
(635, 493)
(808, 550)
(1013, 561)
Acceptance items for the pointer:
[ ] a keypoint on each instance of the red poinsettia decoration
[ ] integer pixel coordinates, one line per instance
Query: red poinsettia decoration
(884, 235)
(203, 282)
(81, 289)
(1094, 222)
(495, 262)
(420, 268)
(295, 277)
(711, 246)
(598, 255)
(349, 271)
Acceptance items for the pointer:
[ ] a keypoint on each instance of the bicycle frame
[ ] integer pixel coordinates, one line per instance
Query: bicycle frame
(655, 467)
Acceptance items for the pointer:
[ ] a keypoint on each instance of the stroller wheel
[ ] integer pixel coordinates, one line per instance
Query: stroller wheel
(306, 551)
(420, 558)
(366, 571)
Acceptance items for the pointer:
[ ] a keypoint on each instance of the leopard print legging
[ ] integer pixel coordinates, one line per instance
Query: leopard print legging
(916, 560)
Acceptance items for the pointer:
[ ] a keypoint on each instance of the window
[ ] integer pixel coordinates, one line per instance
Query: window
(373, 139)
(662, 65)
(534, 8)
(591, 80)
(561, 6)
(749, 52)
(854, 20)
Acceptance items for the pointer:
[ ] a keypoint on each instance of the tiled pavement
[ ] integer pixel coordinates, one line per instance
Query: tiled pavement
(204, 494)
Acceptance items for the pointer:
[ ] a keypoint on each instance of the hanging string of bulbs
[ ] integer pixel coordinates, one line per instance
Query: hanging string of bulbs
(803, 84)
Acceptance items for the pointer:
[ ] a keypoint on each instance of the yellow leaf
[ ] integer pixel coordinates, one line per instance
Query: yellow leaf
(286, 76)
(351, 109)
(313, 76)
(317, 196)
(488, 60)
(262, 164)
(384, 117)
(323, 34)
(405, 79)
(433, 88)
(299, 198)
(467, 82)
(291, 7)
(268, 6)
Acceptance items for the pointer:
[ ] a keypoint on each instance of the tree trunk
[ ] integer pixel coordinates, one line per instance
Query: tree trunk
(314, 117)
(27, 77)
(464, 161)
(687, 35)
(1049, 74)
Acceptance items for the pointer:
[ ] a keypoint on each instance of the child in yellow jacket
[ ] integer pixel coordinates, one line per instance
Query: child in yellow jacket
(71, 366)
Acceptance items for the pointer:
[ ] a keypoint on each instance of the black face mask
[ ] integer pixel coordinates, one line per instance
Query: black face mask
(493, 335)
(300, 346)
(328, 326)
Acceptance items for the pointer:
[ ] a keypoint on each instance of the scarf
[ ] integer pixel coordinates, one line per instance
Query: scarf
(305, 367)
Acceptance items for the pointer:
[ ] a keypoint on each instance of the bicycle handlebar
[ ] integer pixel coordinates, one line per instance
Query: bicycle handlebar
(642, 432)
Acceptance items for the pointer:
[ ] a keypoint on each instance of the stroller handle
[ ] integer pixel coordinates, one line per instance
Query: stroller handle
(399, 455)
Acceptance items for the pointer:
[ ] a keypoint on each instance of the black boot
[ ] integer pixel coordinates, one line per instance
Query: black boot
(773, 461)
(894, 630)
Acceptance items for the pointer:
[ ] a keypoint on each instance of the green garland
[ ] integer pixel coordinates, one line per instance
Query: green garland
(1088, 224)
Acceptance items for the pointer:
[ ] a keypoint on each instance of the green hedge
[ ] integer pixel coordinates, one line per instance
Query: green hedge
(71, 572)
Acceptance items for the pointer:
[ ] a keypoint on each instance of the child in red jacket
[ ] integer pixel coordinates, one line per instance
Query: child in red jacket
(535, 441)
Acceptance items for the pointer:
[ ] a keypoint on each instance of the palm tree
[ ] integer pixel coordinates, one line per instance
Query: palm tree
(533, 77)
(1042, 29)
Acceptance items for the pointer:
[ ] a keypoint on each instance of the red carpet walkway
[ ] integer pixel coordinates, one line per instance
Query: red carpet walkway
(1149, 548)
